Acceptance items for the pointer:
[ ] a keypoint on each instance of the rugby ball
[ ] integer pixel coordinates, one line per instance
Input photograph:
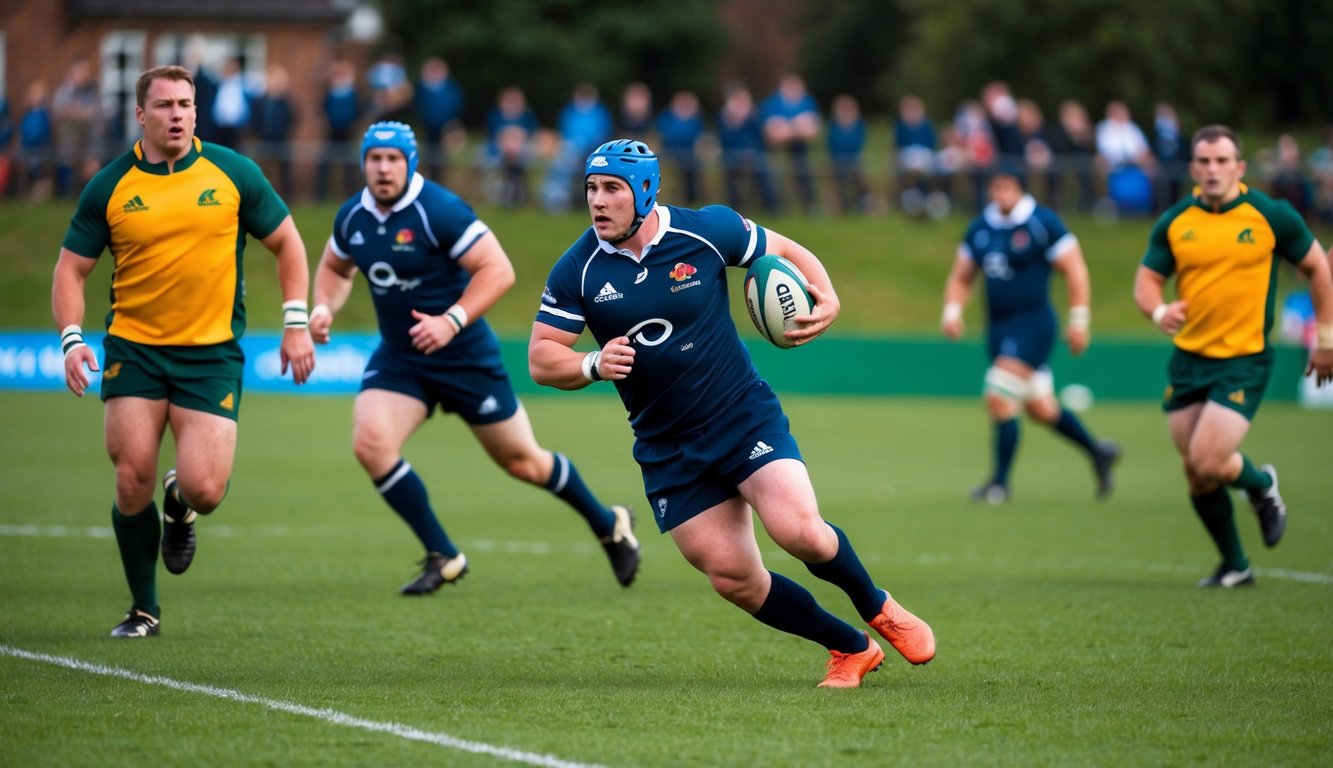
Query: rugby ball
(775, 292)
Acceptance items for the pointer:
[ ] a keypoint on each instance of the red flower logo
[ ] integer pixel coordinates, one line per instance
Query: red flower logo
(403, 237)
(682, 271)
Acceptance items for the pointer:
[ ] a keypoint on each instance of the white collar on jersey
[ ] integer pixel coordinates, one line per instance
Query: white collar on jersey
(413, 190)
(663, 221)
(1019, 216)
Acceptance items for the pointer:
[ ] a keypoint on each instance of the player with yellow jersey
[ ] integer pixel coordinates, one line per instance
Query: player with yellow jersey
(1223, 244)
(175, 213)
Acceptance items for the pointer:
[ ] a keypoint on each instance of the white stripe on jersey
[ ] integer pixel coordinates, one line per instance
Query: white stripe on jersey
(562, 313)
(425, 223)
(470, 236)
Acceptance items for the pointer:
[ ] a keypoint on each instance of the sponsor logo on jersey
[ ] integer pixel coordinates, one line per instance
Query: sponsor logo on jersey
(608, 293)
(760, 448)
(547, 297)
(383, 278)
(682, 271)
(402, 241)
(208, 197)
(135, 205)
(1189, 236)
(228, 403)
(1020, 240)
(639, 334)
(357, 238)
(1246, 236)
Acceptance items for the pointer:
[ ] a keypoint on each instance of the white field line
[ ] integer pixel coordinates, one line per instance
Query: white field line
(327, 715)
(921, 559)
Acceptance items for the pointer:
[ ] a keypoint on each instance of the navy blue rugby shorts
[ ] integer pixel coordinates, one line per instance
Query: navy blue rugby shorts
(1030, 337)
(686, 474)
(480, 396)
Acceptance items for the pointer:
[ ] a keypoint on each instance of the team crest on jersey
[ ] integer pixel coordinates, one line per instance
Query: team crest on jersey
(1020, 240)
(1246, 236)
(402, 240)
(682, 272)
(208, 197)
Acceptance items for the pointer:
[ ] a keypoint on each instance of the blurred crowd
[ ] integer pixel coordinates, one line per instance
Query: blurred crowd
(780, 152)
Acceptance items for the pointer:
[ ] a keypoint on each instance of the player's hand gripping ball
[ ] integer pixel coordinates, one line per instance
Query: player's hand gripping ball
(775, 292)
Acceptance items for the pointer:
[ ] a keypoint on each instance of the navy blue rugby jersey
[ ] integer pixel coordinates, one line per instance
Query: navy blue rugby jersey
(409, 257)
(689, 360)
(1015, 253)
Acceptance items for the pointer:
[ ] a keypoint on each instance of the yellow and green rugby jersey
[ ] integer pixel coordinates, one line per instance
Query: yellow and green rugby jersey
(177, 238)
(1225, 262)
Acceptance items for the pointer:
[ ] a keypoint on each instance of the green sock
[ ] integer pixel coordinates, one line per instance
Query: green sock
(1251, 478)
(139, 538)
(1215, 510)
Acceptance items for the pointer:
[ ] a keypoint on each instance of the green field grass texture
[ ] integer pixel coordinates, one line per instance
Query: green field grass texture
(889, 270)
(1070, 631)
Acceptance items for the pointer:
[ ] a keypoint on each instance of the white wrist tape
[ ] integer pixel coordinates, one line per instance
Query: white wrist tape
(71, 339)
(1323, 336)
(294, 314)
(590, 362)
(1158, 314)
(1080, 317)
(458, 315)
(952, 311)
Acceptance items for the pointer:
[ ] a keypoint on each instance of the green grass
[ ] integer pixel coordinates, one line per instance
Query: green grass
(1070, 632)
(889, 271)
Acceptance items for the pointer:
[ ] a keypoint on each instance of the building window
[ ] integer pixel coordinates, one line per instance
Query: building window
(122, 62)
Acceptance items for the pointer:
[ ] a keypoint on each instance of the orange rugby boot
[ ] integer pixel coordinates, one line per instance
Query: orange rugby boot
(908, 635)
(845, 670)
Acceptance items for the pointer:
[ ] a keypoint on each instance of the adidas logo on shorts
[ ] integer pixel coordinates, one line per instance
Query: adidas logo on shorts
(760, 448)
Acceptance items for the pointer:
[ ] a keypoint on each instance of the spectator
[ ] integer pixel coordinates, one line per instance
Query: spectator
(744, 161)
(1125, 158)
(914, 144)
(1074, 145)
(274, 121)
(681, 128)
(846, 142)
(77, 111)
(1321, 165)
(1171, 151)
(6, 136)
(231, 106)
(1002, 115)
(439, 100)
(343, 108)
(511, 126)
(636, 112)
(390, 90)
(582, 125)
(205, 93)
(1035, 145)
(1290, 182)
(791, 122)
(37, 141)
(972, 132)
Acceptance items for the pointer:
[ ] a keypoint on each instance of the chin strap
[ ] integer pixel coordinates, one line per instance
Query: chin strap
(638, 222)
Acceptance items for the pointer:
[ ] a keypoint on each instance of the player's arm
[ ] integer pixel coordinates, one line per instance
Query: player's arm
(67, 308)
(492, 274)
(297, 349)
(1315, 266)
(1150, 296)
(1072, 265)
(957, 289)
(827, 306)
(333, 284)
(553, 361)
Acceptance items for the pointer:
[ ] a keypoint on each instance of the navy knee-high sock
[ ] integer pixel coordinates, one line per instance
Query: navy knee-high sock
(1071, 427)
(403, 491)
(1006, 447)
(791, 608)
(567, 484)
(846, 571)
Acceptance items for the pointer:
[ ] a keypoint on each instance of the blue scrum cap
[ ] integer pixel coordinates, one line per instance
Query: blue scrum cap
(632, 161)
(393, 135)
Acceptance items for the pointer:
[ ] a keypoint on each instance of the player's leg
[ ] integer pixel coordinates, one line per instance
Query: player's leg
(720, 543)
(382, 421)
(784, 499)
(512, 445)
(1042, 406)
(133, 433)
(1206, 435)
(1240, 388)
(1006, 386)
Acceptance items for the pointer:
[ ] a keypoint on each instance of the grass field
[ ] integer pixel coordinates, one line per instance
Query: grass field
(1070, 632)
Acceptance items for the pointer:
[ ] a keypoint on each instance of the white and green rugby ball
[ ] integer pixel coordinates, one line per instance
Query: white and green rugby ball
(775, 292)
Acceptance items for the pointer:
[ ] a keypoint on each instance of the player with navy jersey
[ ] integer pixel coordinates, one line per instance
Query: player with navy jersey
(649, 281)
(434, 269)
(1016, 244)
